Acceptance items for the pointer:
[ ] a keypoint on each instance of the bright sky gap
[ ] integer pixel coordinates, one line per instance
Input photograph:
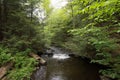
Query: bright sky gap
(57, 4)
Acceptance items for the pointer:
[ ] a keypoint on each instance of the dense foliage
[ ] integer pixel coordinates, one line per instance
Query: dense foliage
(90, 28)
(20, 33)
(23, 65)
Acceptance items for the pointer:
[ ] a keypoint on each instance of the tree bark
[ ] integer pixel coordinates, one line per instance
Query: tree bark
(0, 13)
(1, 22)
(31, 11)
(5, 11)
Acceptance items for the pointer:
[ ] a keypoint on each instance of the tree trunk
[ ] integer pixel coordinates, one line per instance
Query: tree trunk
(5, 12)
(1, 22)
(31, 11)
(0, 13)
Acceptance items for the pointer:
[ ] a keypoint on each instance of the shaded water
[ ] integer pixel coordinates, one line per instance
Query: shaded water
(62, 67)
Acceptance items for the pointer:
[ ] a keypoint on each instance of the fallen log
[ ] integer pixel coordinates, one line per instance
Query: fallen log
(4, 69)
(4, 78)
(38, 58)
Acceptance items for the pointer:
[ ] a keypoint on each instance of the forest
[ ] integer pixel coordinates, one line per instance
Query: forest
(89, 28)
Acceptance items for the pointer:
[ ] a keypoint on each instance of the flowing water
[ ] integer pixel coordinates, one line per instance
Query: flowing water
(63, 67)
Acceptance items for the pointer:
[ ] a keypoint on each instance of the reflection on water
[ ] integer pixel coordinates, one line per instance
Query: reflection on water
(40, 74)
(63, 67)
(59, 77)
(71, 69)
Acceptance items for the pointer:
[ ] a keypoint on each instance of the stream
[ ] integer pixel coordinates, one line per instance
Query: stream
(60, 66)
